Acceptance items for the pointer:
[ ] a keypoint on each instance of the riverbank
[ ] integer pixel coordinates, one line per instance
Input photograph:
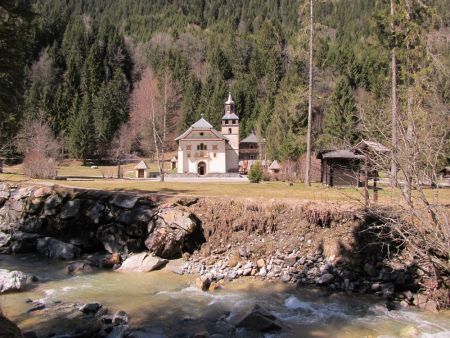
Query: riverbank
(329, 245)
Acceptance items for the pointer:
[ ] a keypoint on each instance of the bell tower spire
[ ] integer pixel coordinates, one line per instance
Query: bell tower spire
(230, 129)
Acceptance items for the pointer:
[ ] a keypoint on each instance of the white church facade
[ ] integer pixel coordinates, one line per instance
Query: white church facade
(203, 150)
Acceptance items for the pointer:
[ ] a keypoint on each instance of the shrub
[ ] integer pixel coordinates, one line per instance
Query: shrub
(256, 172)
(36, 165)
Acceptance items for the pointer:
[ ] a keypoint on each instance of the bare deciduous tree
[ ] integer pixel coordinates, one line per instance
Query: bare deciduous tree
(122, 145)
(310, 101)
(154, 112)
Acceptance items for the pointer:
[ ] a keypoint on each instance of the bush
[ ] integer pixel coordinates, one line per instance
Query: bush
(256, 172)
(36, 165)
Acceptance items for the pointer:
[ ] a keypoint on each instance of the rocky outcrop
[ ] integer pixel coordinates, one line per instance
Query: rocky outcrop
(173, 231)
(64, 223)
(142, 262)
(14, 280)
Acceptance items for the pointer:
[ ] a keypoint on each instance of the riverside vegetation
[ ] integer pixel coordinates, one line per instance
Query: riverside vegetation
(321, 244)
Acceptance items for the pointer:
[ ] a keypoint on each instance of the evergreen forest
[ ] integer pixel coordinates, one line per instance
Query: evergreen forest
(78, 65)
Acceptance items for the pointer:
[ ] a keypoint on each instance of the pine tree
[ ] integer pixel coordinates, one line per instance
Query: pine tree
(81, 136)
(341, 121)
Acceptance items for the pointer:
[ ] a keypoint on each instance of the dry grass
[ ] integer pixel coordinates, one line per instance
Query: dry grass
(265, 190)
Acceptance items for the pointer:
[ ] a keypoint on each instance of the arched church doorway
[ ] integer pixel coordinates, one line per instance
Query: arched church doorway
(201, 168)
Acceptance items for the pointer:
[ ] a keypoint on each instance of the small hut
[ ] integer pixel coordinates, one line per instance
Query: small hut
(275, 167)
(174, 162)
(340, 168)
(141, 170)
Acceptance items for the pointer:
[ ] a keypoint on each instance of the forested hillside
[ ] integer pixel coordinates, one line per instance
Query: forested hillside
(87, 60)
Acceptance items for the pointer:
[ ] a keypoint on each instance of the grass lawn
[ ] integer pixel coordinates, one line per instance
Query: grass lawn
(264, 190)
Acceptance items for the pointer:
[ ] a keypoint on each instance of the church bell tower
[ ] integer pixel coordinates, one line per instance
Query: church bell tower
(230, 129)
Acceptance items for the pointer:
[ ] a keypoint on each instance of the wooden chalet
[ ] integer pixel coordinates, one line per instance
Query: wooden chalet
(340, 168)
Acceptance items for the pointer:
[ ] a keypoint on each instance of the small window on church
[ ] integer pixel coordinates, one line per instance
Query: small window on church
(226, 121)
(229, 131)
(215, 154)
(188, 147)
(214, 146)
(202, 146)
(252, 157)
(234, 121)
(201, 134)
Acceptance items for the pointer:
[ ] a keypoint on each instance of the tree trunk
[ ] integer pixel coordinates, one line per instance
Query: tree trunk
(310, 102)
(394, 106)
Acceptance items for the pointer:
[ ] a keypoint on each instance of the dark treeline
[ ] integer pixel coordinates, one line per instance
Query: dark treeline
(86, 57)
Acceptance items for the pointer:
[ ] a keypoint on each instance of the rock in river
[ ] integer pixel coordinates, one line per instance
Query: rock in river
(14, 280)
(143, 262)
(52, 248)
(256, 318)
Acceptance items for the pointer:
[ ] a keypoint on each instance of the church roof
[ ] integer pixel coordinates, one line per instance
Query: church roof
(231, 116)
(252, 138)
(202, 124)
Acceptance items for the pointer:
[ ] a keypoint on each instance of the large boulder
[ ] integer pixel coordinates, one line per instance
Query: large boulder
(256, 318)
(142, 262)
(71, 209)
(14, 280)
(52, 248)
(172, 231)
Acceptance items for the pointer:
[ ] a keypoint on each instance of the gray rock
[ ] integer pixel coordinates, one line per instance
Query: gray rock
(90, 308)
(77, 268)
(143, 262)
(14, 280)
(136, 216)
(370, 270)
(53, 248)
(326, 278)
(4, 239)
(173, 232)
(71, 209)
(120, 318)
(285, 278)
(257, 319)
(95, 212)
(51, 203)
(124, 201)
(23, 242)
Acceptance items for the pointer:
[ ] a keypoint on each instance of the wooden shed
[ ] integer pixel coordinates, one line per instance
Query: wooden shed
(141, 170)
(340, 168)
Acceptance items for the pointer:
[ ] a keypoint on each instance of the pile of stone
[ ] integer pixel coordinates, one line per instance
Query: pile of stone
(313, 270)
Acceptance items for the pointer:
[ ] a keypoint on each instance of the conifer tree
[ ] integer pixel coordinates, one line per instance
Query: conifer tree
(341, 121)
(81, 137)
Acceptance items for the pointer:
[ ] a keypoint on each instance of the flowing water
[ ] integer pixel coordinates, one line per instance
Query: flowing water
(164, 304)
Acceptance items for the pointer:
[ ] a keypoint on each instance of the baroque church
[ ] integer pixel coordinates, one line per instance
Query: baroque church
(202, 150)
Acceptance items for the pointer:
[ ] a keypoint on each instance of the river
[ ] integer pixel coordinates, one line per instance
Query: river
(164, 304)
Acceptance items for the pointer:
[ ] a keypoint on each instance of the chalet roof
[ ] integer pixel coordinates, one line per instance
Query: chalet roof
(141, 165)
(374, 146)
(201, 124)
(275, 165)
(343, 153)
(252, 138)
